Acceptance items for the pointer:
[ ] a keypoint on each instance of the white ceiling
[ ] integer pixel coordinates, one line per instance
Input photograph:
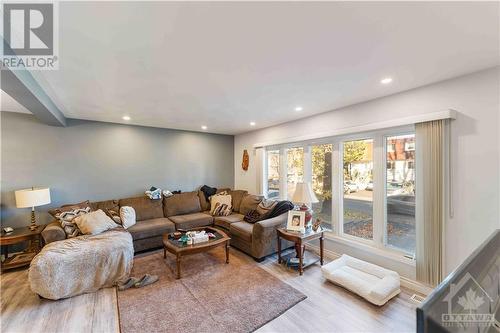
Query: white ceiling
(183, 65)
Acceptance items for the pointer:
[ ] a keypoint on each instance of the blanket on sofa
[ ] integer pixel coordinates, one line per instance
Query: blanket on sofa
(279, 208)
(82, 264)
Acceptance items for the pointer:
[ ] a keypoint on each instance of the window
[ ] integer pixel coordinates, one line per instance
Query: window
(365, 184)
(321, 166)
(295, 169)
(273, 174)
(358, 198)
(400, 194)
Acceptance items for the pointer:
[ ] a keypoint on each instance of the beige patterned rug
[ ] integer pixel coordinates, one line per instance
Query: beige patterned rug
(212, 296)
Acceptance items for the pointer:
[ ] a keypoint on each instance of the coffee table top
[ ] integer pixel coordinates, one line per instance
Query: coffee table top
(174, 245)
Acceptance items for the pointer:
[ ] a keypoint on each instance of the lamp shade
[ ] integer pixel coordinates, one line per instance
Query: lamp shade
(304, 194)
(32, 197)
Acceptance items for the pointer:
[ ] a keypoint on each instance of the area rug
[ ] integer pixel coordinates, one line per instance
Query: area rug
(211, 296)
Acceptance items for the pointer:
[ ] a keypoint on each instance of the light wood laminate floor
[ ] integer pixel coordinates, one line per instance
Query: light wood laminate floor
(328, 308)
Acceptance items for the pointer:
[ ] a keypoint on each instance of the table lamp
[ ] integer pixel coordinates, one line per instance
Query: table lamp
(305, 195)
(32, 197)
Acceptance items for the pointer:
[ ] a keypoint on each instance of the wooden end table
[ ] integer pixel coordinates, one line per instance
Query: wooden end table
(300, 240)
(17, 236)
(180, 249)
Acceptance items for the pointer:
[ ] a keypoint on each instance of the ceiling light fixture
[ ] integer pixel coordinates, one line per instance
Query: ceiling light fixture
(252, 123)
(203, 127)
(126, 118)
(298, 108)
(386, 80)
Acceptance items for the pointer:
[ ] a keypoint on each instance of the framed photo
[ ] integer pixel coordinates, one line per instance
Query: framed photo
(296, 220)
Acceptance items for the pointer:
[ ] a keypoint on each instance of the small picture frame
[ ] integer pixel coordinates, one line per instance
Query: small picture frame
(296, 220)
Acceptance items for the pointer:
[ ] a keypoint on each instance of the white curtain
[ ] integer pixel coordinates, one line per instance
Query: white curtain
(430, 210)
(260, 158)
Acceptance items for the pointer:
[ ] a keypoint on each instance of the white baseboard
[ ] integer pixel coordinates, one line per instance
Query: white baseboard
(405, 282)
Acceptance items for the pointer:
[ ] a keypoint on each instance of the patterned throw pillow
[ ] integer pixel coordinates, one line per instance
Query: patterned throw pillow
(220, 204)
(66, 219)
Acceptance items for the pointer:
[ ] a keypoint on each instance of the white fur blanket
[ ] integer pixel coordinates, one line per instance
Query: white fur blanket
(82, 264)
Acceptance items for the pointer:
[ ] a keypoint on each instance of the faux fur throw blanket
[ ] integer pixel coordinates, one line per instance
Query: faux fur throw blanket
(82, 264)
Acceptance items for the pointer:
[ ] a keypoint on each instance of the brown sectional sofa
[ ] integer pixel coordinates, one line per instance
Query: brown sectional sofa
(189, 210)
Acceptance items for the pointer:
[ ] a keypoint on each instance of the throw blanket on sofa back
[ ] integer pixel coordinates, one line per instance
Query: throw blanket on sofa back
(281, 207)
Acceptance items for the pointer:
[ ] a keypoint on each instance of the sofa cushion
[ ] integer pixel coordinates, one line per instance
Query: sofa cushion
(225, 221)
(220, 205)
(127, 216)
(242, 230)
(249, 202)
(205, 202)
(94, 222)
(69, 207)
(145, 208)
(182, 203)
(67, 220)
(106, 205)
(151, 228)
(237, 196)
(190, 221)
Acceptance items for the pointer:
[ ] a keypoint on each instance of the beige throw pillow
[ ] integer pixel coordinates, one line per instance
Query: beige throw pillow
(220, 204)
(94, 223)
(127, 216)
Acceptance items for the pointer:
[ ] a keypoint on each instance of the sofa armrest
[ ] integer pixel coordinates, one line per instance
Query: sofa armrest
(264, 236)
(53, 232)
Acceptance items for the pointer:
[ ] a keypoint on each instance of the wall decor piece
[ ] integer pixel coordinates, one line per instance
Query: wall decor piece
(246, 160)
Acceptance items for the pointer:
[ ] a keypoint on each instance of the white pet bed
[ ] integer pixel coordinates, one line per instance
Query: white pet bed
(376, 284)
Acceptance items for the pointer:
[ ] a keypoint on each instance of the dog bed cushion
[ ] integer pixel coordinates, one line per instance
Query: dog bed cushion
(374, 283)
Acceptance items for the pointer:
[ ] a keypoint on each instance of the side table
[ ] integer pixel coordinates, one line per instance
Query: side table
(15, 237)
(300, 240)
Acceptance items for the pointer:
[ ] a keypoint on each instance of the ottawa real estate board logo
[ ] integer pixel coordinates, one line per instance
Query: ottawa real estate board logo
(30, 36)
(469, 305)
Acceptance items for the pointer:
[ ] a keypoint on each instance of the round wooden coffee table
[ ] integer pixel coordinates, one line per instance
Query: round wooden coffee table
(179, 249)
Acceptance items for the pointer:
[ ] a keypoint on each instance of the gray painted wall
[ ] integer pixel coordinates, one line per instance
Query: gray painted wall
(98, 161)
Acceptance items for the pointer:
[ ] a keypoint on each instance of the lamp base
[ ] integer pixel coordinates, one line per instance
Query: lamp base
(308, 211)
(33, 225)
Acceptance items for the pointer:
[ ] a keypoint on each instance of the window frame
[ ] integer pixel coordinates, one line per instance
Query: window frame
(379, 154)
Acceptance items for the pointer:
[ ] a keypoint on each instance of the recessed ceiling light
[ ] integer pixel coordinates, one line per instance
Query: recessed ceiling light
(298, 108)
(252, 123)
(126, 118)
(204, 127)
(386, 80)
